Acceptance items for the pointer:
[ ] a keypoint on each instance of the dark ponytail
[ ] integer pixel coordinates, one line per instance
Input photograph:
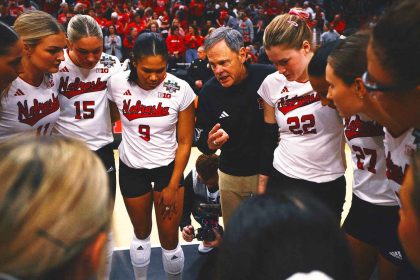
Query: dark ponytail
(147, 44)
(8, 38)
(348, 59)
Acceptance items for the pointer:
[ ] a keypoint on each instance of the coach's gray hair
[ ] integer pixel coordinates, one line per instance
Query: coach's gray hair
(81, 26)
(232, 38)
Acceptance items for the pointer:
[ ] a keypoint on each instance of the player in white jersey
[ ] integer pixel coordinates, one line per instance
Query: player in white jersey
(157, 114)
(392, 76)
(31, 104)
(82, 86)
(309, 153)
(11, 52)
(409, 227)
(372, 222)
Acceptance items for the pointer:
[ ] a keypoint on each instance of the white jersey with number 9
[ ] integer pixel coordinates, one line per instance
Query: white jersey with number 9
(149, 119)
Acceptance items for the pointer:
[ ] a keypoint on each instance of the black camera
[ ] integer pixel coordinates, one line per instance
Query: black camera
(209, 220)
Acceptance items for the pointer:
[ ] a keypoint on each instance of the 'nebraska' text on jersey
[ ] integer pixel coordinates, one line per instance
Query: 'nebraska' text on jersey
(310, 146)
(365, 138)
(27, 108)
(83, 102)
(149, 119)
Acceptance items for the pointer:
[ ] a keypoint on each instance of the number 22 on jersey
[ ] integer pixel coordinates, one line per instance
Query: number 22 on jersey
(304, 125)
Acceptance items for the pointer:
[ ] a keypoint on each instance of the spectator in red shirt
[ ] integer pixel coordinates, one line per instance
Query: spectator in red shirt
(274, 8)
(62, 16)
(160, 6)
(84, 2)
(148, 15)
(192, 41)
(175, 23)
(176, 47)
(117, 23)
(153, 26)
(102, 23)
(250, 57)
(5, 16)
(128, 42)
(197, 10)
(143, 4)
(182, 15)
(14, 10)
(138, 24)
(338, 24)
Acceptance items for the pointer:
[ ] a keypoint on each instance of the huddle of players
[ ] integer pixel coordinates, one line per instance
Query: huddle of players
(302, 143)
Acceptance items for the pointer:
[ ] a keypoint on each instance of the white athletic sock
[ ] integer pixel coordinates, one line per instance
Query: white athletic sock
(140, 257)
(173, 262)
(109, 253)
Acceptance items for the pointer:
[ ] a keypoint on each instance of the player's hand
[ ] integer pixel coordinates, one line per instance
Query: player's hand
(188, 233)
(199, 84)
(167, 202)
(217, 137)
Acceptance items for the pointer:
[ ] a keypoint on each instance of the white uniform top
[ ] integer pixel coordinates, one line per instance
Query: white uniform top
(149, 119)
(27, 108)
(398, 151)
(311, 136)
(84, 107)
(365, 138)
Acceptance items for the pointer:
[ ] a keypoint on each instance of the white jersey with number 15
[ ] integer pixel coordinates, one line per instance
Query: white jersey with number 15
(83, 103)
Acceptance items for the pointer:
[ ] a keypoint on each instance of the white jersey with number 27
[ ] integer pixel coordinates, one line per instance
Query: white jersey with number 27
(365, 138)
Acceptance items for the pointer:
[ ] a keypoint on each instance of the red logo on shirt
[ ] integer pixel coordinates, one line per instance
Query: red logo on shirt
(358, 128)
(138, 110)
(31, 115)
(79, 87)
(286, 104)
(393, 171)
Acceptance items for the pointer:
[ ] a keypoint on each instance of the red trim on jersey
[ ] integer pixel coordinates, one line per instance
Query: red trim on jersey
(358, 128)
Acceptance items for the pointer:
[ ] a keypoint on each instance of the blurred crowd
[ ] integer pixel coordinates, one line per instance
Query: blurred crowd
(186, 23)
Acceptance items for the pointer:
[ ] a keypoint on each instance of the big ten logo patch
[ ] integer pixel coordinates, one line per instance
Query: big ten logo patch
(171, 87)
(164, 95)
(107, 61)
(102, 70)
